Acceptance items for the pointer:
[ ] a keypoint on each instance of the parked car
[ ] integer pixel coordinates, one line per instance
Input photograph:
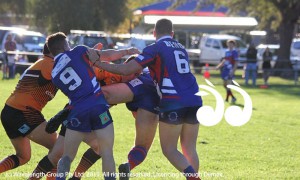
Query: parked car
(295, 49)
(213, 48)
(4, 31)
(28, 42)
(140, 41)
(89, 38)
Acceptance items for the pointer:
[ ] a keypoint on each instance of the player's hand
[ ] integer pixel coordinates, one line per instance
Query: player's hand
(93, 55)
(132, 50)
(98, 46)
(54, 123)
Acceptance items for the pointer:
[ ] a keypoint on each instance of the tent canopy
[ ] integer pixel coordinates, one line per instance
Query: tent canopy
(185, 9)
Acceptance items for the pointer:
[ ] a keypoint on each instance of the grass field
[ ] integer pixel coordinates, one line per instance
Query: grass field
(267, 147)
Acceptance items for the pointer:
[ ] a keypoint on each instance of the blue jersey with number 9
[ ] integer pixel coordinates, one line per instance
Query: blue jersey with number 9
(168, 63)
(73, 75)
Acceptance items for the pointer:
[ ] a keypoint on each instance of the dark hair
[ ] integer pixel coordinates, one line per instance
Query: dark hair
(231, 41)
(46, 49)
(163, 27)
(56, 43)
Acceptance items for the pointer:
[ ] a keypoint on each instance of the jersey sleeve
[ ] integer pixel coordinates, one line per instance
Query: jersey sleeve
(148, 56)
(46, 68)
(235, 55)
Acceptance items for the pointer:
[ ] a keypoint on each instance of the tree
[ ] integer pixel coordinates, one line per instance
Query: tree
(64, 15)
(13, 11)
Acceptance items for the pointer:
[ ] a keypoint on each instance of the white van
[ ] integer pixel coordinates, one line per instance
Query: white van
(27, 41)
(213, 48)
(295, 49)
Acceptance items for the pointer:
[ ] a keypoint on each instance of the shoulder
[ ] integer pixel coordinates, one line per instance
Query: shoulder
(80, 48)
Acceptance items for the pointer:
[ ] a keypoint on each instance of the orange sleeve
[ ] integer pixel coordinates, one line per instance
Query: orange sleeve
(47, 67)
(106, 78)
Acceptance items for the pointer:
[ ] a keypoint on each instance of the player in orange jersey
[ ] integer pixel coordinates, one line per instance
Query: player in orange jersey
(21, 116)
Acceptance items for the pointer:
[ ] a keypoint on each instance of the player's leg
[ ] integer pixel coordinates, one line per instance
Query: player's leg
(89, 157)
(117, 93)
(105, 139)
(188, 140)
(19, 126)
(169, 135)
(41, 137)
(71, 143)
(145, 125)
(22, 156)
(170, 128)
(49, 162)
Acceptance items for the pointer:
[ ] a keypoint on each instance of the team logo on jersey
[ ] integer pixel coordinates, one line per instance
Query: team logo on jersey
(24, 128)
(173, 116)
(75, 122)
(104, 117)
(135, 82)
(234, 115)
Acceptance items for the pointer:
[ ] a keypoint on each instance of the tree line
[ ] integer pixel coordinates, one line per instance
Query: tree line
(114, 15)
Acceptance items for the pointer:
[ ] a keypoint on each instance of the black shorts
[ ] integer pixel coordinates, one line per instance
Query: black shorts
(63, 128)
(186, 115)
(20, 123)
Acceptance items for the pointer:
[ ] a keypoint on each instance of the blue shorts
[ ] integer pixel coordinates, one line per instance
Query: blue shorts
(226, 75)
(145, 95)
(180, 116)
(97, 117)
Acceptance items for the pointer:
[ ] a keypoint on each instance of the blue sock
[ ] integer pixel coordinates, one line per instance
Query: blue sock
(136, 156)
(190, 173)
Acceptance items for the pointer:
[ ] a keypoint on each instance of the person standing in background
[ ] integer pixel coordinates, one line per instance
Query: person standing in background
(10, 45)
(251, 66)
(267, 57)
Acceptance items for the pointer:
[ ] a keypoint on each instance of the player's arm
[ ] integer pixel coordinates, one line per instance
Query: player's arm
(221, 64)
(109, 54)
(122, 69)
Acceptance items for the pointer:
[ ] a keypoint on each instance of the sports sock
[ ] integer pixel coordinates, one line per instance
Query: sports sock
(136, 156)
(87, 160)
(43, 167)
(10, 162)
(190, 173)
(52, 174)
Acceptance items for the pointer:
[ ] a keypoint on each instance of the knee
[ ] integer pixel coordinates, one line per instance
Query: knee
(54, 156)
(23, 158)
(168, 150)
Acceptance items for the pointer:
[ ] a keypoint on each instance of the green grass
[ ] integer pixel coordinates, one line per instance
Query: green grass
(267, 147)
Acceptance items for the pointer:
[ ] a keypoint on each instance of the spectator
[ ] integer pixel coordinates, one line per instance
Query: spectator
(10, 45)
(267, 57)
(251, 66)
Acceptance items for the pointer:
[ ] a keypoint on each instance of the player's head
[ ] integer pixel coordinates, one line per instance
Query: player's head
(230, 43)
(57, 43)
(163, 27)
(9, 37)
(131, 76)
(46, 50)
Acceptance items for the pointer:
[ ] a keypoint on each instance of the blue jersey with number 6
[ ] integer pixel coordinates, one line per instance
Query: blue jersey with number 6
(168, 63)
(73, 75)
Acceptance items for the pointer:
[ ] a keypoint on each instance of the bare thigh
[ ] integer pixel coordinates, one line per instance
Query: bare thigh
(117, 93)
(41, 137)
(145, 124)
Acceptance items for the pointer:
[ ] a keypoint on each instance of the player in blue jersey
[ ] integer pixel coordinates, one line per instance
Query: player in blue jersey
(228, 66)
(168, 63)
(74, 76)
